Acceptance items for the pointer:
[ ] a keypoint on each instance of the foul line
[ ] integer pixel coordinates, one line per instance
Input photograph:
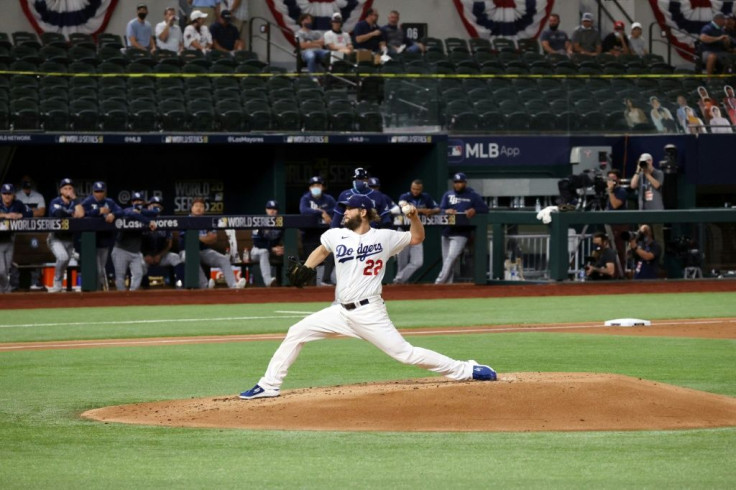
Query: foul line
(80, 344)
(169, 320)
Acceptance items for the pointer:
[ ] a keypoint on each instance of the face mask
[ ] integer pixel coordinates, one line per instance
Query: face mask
(138, 206)
(308, 25)
(554, 28)
(316, 191)
(142, 15)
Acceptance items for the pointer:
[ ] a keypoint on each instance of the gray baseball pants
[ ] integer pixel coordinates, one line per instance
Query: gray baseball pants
(409, 260)
(452, 247)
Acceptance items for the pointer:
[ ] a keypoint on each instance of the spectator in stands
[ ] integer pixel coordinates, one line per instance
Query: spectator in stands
(661, 117)
(268, 244)
(729, 102)
(715, 43)
(196, 34)
(239, 9)
(156, 247)
(681, 113)
(411, 258)
(99, 206)
(585, 39)
(61, 243)
(635, 117)
(207, 254)
(730, 29)
(554, 40)
(649, 181)
(695, 125)
(337, 41)
(460, 200)
(225, 36)
(368, 35)
(396, 39)
(10, 208)
(139, 32)
(126, 254)
(616, 43)
(637, 43)
(35, 201)
(718, 123)
(318, 203)
(645, 251)
(604, 267)
(168, 32)
(311, 44)
(705, 103)
(209, 7)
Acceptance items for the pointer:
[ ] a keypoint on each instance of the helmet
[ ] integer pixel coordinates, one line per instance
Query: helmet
(374, 182)
(360, 174)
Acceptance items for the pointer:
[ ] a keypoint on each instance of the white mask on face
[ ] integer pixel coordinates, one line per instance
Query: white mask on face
(316, 191)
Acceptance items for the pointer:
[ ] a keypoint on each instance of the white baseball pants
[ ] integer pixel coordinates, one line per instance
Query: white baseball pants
(368, 322)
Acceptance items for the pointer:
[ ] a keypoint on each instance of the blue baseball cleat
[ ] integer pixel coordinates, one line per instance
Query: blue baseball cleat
(258, 392)
(482, 372)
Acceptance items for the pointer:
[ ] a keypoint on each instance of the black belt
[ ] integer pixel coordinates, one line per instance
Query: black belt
(352, 306)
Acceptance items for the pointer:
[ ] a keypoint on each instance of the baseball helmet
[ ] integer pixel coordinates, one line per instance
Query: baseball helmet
(360, 174)
(64, 182)
(374, 182)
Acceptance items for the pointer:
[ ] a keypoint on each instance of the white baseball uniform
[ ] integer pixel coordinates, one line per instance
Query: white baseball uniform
(359, 311)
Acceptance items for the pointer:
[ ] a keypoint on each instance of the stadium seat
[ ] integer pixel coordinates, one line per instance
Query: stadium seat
(56, 54)
(463, 121)
(342, 120)
(246, 68)
(110, 39)
(259, 120)
(530, 45)
(25, 38)
(52, 67)
(113, 115)
(592, 121)
(139, 67)
(315, 120)
(5, 41)
(477, 44)
(370, 121)
(26, 53)
(201, 116)
(456, 44)
(142, 116)
(24, 92)
(4, 116)
(433, 44)
(24, 115)
(229, 118)
(166, 68)
(518, 121)
(223, 65)
(491, 121)
(80, 39)
(84, 115)
(57, 84)
(54, 115)
(543, 121)
(85, 55)
(55, 39)
(106, 67)
(172, 116)
(501, 44)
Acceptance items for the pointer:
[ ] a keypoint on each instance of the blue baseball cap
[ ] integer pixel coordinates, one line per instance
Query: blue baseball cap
(272, 204)
(316, 180)
(358, 201)
(374, 182)
(459, 177)
(7, 189)
(99, 186)
(136, 196)
(156, 200)
(64, 182)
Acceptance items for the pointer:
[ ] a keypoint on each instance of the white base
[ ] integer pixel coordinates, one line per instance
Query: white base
(628, 322)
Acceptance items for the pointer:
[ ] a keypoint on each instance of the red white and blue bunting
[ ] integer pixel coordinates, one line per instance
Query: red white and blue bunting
(287, 12)
(68, 16)
(682, 20)
(514, 19)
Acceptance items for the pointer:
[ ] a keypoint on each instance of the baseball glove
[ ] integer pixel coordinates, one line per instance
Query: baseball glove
(300, 274)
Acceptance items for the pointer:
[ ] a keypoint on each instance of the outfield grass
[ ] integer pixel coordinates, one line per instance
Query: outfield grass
(43, 442)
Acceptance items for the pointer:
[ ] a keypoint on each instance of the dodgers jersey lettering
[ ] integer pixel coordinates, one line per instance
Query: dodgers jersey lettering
(360, 260)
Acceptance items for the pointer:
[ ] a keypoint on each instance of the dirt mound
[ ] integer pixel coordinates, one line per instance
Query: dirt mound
(517, 402)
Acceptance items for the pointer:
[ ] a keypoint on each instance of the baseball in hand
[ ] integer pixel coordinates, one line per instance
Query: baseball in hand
(408, 209)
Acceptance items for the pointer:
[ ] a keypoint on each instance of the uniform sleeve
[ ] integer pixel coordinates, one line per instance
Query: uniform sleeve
(305, 208)
(399, 240)
(327, 239)
(479, 204)
(445, 203)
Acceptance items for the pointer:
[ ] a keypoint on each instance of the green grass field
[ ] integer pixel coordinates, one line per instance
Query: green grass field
(43, 442)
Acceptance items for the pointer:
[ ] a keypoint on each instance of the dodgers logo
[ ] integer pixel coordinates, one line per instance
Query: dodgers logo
(344, 253)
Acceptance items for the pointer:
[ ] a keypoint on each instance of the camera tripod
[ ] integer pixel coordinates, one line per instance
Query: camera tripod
(620, 272)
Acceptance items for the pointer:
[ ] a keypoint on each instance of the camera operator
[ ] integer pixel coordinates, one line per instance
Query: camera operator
(646, 252)
(650, 180)
(616, 195)
(605, 264)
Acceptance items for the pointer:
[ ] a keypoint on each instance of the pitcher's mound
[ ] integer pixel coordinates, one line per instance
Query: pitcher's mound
(517, 402)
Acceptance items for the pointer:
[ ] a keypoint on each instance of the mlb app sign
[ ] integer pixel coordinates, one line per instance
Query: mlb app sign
(507, 151)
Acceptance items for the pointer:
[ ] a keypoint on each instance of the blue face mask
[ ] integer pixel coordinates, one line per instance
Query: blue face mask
(316, 191)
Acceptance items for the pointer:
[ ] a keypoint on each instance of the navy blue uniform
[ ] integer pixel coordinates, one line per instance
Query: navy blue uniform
(383, 208)
(92, 208)
(461, 202)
